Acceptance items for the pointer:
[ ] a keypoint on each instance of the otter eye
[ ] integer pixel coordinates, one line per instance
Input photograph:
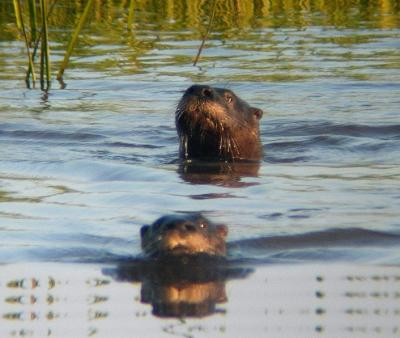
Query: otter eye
(228, 98)
(203, 225)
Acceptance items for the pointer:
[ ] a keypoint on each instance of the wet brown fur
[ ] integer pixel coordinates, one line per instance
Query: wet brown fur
(213, 123)
(183, 235)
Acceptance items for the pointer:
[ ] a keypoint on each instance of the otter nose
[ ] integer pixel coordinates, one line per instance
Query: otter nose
(207, 92)
(201, 91)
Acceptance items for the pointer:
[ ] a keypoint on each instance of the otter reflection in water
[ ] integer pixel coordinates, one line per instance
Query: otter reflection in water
(184, 267)
(184, 270)
(226, 174)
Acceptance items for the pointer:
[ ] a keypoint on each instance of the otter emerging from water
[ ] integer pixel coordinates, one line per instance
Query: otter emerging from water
(213, 123)
(176, 235)
(192, 234)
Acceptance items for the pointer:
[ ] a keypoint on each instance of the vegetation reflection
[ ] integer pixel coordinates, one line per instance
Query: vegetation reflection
(138, 24)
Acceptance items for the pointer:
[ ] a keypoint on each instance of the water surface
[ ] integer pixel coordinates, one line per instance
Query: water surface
(82, 168)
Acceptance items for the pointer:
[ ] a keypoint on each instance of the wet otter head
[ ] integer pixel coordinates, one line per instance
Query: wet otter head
(183, 235)
(213, 123)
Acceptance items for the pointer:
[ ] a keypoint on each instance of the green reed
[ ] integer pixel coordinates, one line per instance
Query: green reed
(130, 15)
(210, 22)
(21, 27)
(45, 69)
(33, 19)
(231, 19)
(73, 40)
(17, 11)
(34, 39)
(39, 39)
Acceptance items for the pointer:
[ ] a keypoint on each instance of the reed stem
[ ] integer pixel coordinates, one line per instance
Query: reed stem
(130, 15)
(74, 38)
(33, 19)
(207, 33)
(17, 11)
(39, 35)
(31, 68)
(45, 54)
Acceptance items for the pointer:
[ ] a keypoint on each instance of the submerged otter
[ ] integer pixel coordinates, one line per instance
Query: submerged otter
(175, 235)
(192, 234)
(215, 124)
(184, 270)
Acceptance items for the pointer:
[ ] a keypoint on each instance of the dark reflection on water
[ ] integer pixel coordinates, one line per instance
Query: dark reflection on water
(180, 286)
(223, 173)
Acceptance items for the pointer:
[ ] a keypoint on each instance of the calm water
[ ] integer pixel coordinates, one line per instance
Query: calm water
(82, 168)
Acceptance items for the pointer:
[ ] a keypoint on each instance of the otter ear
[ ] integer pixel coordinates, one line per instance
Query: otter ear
(143, 230)
(258, 113)
(222, 230)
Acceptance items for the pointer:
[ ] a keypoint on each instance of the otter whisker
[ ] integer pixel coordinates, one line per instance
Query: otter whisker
(210, 126)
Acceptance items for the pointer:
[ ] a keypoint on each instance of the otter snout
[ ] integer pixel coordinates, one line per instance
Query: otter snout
(183, 235)
(201, 91)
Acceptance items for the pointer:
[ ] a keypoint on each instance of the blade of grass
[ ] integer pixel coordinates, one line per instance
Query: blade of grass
(130, 14)
(74, 38)
(39, 35)
(45, 54)
(207, 33)
(18, 16)
(31, 69)
(33, 19)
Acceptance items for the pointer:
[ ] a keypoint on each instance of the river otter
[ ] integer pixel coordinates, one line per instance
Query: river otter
(213, 123)
(175, 235)
(184, 270)
(191, 234)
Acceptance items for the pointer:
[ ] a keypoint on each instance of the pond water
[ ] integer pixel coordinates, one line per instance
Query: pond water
(82, 168)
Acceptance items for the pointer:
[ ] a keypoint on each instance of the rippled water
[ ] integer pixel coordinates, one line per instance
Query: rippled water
(82, 168)
(295, 301)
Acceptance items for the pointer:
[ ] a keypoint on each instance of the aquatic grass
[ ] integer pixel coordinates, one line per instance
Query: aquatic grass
(210, 22)
(18, 16)
(21, 25)
(33, 19)
(45, 69)
(229, 22)
(40, 39)
(45, 50)
(130, 15)
(73, 41)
